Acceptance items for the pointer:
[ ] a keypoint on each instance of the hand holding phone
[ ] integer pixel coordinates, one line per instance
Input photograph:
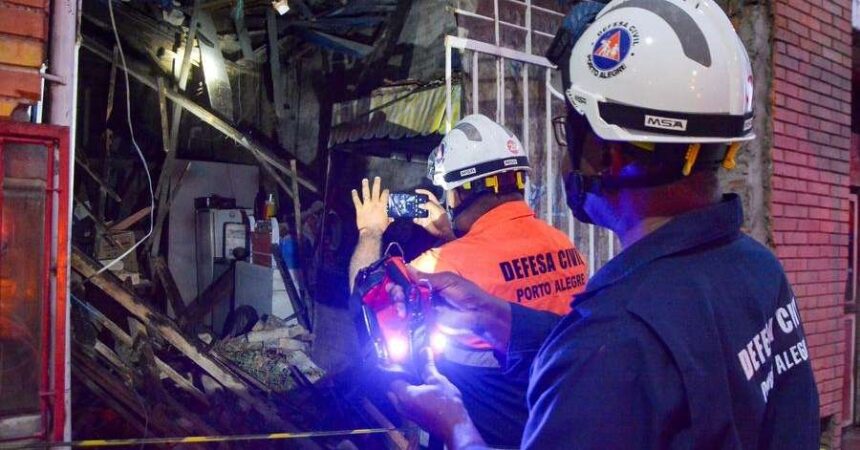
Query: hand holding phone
(405, 205)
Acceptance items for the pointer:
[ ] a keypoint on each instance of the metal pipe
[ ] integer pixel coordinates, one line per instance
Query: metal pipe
(476, 75)
(490, 49)
(63, 56)
(548, 145)
(501, 85)
(448, 111)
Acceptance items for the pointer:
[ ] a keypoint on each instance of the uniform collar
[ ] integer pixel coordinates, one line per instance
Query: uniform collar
(502, 213)
(684, 232)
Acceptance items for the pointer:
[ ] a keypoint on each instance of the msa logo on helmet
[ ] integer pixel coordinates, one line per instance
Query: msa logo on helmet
(611, 49)
(509, 162)
(665, 123)
(467, 172)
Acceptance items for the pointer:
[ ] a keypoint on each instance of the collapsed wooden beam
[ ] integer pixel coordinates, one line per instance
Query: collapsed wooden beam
(260, 152)
(126, 340)
(140, 308)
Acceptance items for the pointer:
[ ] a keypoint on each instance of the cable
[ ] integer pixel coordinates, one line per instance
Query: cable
(136, 147)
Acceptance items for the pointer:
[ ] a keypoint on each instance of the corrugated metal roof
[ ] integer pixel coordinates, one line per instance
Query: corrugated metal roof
(393, 113)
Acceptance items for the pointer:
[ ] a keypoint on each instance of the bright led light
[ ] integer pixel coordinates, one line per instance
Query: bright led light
(438, 342)
(398, 348)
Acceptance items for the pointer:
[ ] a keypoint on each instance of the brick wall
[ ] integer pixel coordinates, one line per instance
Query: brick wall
(811, 121)
(23, 35)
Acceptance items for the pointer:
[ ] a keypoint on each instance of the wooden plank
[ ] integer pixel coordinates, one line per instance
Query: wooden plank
(280, 97)
(148, 367)
(20, 83)
(238, 14)
(116, 395)
(21, 52)
(23, 22)
(126, 340)
(110, 356)
(102, 185)
(140, 308)
(131, 220)
(106, 174)
(171, 291)
(297, 211)
(162, 109)
(31, 3)
(168, 168)
(166, 174)
(114, 62)
(218, 291)
(214, 70)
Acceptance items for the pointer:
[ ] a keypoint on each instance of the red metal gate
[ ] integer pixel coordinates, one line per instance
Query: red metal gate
(34, 225)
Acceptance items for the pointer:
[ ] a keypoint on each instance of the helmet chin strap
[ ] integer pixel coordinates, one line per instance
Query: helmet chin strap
(464, 205)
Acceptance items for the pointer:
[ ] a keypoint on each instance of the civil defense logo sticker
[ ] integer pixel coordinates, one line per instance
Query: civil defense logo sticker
(611, 49)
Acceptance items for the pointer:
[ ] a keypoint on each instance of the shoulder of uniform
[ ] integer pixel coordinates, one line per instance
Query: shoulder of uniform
(437, 259)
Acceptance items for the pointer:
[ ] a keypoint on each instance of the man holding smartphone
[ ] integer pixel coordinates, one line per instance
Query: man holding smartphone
(493, 239)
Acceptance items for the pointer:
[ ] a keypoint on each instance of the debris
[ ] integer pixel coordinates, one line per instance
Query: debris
(271, 352)
(115, 245)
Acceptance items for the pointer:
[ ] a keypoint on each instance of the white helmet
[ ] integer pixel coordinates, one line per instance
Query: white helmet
(670, 71)
(475, 148)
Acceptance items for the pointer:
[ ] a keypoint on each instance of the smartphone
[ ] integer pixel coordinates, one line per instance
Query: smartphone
(404, 205)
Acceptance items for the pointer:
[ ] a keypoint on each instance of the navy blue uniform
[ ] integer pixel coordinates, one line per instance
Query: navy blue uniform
(690, 338)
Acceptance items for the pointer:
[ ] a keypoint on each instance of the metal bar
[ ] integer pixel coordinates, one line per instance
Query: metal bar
(610, 244)
(502, 23)
(46, 392)
(529, 27)
(548, 148)
(591, 249)
(448, 110)
(476, 75)
(527, 141)
(489, 49)
(261, 153)
(536, 8)
(502, 76)
(496, 21)
(571, 225)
